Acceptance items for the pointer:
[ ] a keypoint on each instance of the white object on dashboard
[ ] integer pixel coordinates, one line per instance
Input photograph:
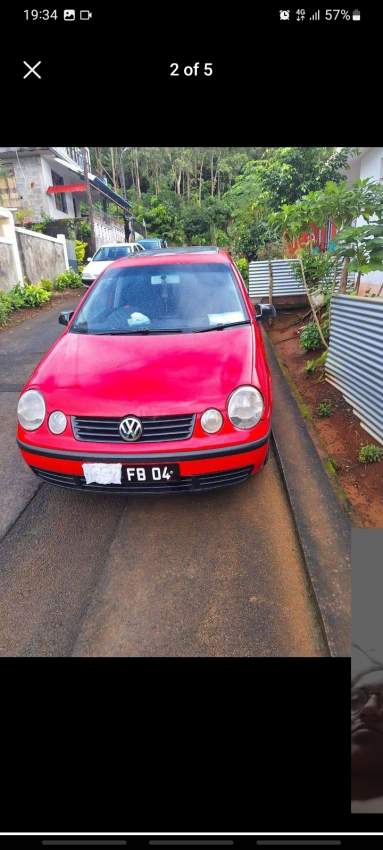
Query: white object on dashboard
(138, 319)
(222, 318)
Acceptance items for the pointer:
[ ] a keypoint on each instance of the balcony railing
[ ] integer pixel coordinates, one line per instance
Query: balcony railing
(76, 155)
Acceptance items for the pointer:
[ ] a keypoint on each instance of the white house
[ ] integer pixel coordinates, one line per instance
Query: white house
(368, 163)
(49, 183)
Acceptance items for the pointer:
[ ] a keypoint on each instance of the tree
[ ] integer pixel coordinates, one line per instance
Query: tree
(363, 247)
(340, 203)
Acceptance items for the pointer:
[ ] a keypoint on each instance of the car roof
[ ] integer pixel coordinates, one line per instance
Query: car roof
(163, 256)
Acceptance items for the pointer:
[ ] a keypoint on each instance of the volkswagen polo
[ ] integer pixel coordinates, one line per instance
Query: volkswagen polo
(159, 383)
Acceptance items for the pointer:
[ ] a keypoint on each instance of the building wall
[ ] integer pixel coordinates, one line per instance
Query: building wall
(47, 167)
(33, 175)
(370, 165)
(29, 185)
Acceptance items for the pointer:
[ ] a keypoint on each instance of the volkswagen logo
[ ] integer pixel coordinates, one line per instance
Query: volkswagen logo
(131, 429)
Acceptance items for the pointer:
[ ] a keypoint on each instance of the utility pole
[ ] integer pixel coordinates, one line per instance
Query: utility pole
(90, 202)
(113, 169)
(122, 172)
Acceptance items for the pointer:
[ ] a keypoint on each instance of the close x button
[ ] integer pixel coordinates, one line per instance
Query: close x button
(32, 69)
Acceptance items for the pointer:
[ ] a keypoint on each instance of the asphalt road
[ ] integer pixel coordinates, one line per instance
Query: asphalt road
(216, 574)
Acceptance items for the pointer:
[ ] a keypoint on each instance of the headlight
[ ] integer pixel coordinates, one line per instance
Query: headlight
(211, 421)
(57, 422)
(245, 407)
(31, 410)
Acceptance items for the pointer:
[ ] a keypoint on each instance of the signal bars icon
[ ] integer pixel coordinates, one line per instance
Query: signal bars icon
(315, 16)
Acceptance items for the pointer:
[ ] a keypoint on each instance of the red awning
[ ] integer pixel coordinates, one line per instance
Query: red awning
(71, 187)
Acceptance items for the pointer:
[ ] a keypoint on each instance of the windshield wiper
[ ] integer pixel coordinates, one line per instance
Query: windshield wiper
(221, 326)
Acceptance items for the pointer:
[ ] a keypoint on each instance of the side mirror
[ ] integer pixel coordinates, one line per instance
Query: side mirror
(265, 311)
(65, 317)
(89, 259)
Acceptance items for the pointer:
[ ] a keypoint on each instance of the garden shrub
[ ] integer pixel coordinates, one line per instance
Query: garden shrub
(370, 453)
(324, 408)
(80, 249)
(34, 296)
(46, 284)
(68, 280)
(21, 296)
(243, 266)
(309, 337)
(5, 308)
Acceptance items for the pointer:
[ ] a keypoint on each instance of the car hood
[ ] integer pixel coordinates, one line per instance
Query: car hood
(146, 375)
(94, 269)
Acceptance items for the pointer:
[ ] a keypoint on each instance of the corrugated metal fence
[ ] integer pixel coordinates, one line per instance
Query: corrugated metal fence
(284, 280)
(354, 362)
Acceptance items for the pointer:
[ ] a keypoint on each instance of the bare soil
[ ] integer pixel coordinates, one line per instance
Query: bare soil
(58, 300)
(338, 437)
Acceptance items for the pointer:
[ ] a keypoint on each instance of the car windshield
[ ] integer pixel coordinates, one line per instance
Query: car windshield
(148, 244)
(111, 252)
(162, 298)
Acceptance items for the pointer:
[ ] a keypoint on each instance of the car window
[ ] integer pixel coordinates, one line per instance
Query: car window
(179, 296)
(111, 253)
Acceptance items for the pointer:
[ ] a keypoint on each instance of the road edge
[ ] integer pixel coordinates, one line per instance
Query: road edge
(323, 528)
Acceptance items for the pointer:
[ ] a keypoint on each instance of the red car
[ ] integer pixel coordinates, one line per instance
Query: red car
(159, 384)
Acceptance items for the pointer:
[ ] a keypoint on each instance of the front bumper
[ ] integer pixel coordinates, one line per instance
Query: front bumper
(199, 469)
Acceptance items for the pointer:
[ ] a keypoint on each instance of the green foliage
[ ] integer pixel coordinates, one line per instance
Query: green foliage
(363, 246)
(318, 268)
(370, 453)
(19, 296)
(214, 195)
(339, 202)
(46, 284)
(196, 225)
(5, 308)
(34, 296)
(22, 216)
(80, 250)
(243, 266)
(309, 338)
(16, 296)
(324, 408)
(67, 280)
(82, 228)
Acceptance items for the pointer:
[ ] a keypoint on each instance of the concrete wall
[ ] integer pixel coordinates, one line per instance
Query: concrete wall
(10, 266)
(8, 271)
(41, 256)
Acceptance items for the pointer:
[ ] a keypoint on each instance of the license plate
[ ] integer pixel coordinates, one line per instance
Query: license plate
(115, 473)
(161, 474)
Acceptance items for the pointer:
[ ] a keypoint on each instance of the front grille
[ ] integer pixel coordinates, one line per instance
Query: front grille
(156, 429)
(188, 484)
